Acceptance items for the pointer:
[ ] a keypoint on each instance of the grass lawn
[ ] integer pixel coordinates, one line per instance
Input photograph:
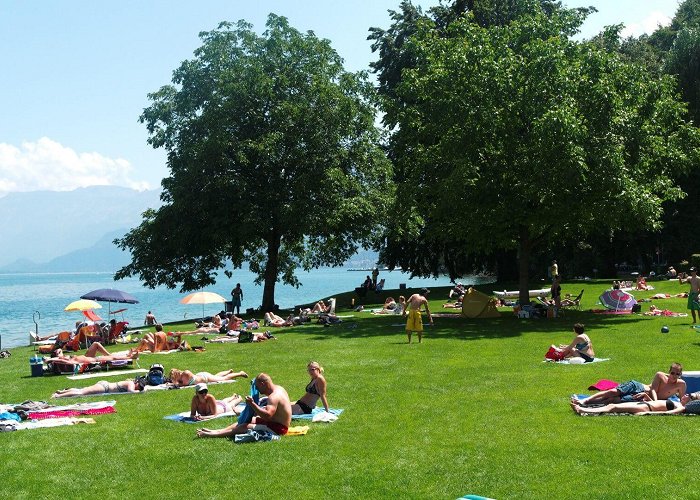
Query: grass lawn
(471, 410)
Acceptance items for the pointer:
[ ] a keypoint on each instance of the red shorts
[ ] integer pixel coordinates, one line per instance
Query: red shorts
(273, 426)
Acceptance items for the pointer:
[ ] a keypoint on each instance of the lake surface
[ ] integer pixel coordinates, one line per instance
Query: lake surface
(24, 297)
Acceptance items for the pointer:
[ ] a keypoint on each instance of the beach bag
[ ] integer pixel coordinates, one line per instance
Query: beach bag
(554, 354)
(245, 336)
(155, 375)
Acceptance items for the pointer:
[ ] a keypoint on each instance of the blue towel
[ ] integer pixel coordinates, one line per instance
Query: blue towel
(247, 414)
(6, 415)
(316, 411)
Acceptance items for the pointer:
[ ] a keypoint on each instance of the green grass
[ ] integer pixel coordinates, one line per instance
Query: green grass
(471, 410)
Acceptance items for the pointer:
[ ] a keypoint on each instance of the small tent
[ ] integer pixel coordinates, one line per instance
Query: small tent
(478, 305)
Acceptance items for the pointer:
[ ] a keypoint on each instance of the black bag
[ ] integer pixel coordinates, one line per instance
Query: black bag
(636, 308)
(155, 375)
(245, 336)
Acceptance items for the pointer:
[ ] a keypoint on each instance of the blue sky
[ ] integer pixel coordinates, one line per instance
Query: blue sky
(77, 73)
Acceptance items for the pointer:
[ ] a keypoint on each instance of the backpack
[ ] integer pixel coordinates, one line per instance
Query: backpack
(155, 375)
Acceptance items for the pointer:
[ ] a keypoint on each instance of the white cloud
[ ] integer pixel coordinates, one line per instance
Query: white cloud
(46, 165)
(647, 25)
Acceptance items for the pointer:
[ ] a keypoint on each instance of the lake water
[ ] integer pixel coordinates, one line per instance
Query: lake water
(24, 297)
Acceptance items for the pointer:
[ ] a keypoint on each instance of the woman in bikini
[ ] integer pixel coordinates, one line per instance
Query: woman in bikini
(580, 346)
(183, 378)
(315, 390)
(90, 355)
(205, 405)
(101, 387)
(666, 406)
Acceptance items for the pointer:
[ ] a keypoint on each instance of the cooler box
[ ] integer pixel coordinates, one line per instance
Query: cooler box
(37, 366)
(692, 380)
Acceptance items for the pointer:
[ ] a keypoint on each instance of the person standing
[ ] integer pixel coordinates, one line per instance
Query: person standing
(236, 299)
(553, 270)
(375, 275)
(693, 295)
(415, 320)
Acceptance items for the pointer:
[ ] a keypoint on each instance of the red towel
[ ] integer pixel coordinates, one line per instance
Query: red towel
(603, 385)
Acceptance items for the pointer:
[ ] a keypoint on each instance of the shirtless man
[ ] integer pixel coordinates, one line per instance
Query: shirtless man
(415, 320)
(694, 294)
(150, 319)
(662, 387)
(275, 416)
(205, 406)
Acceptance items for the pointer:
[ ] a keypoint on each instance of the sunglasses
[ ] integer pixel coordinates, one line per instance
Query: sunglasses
(676, 374)
(203, 392)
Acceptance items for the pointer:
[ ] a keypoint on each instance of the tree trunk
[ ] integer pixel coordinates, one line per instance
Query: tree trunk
(524, 251)
(273, 248)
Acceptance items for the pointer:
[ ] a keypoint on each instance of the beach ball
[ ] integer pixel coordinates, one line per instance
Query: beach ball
(664, 329)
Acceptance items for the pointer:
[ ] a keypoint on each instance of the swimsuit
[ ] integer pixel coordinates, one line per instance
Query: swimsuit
(273, 426)
(305, 408)
(225, 408)
(311, 388)
(415, 321)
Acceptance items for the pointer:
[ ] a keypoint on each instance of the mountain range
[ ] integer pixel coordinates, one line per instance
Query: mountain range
(61, 231)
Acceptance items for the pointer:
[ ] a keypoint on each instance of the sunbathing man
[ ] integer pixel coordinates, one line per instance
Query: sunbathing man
(662, 387)
(205, 405)
(89, 356)
(158, 341)
(275, 416)
(415, 320)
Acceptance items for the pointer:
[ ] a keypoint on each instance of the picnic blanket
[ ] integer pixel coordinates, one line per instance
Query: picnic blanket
(568, 361)
(321, 414)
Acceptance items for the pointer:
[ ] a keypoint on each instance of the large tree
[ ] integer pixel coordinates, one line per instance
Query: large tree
(516, 136)
(274, 160)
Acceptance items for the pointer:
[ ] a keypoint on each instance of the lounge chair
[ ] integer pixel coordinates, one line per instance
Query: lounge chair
(575, 302)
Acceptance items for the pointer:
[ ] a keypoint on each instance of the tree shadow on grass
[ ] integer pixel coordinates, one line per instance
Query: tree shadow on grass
(459, 327)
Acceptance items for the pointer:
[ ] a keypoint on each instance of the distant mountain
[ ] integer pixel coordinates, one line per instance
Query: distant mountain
(40, 226)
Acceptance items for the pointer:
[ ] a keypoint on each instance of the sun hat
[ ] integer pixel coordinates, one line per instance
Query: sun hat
(199, 388)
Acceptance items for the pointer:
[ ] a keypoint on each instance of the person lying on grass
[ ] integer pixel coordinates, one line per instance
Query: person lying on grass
(101, 387)
(89, 356)
(392, 307)
(315, 390)
(665, 406)
(580, 346)
(183, 378)
(205, 405)
(275, 416)
(663, 386)
(273, 320)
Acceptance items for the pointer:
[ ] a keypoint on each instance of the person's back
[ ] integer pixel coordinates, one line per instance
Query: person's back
(283, 414)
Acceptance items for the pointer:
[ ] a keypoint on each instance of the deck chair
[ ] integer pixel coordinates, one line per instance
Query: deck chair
(576, 302)
(118, 330)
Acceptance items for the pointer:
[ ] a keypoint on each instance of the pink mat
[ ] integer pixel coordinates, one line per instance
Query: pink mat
(603, 385)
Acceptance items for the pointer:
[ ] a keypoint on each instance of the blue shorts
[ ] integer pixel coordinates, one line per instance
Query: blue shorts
(236, 302)
(627, 390)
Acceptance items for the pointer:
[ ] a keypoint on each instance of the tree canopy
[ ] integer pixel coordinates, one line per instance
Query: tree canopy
(274, 160)
(514, 136)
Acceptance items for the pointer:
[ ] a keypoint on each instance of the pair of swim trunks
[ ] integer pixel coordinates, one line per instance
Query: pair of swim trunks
(693, 303)
(628, 389)
(273, 426)
(414, 322)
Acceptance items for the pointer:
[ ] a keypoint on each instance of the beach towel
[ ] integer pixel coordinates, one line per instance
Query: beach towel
(603, 385)
(299, 430)
(74, 410)
(316, 411)
(568, 361)
(247, 414)
(106, 374)
(185, 415)
(255, 436)
(149, 388)
(611, 311)
(7, 426)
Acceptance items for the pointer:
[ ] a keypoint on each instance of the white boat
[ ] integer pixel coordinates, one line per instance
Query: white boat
(514, 294)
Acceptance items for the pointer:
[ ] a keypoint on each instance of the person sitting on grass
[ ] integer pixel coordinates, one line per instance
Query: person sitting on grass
(205, 405)
(183, 378)
(315, 390)
(158, 341)
(90, 355)
(665, 406)
(641, 283)
(275, 416)
(101, 387)
(391, 306)
(320, 307)
(580, 346)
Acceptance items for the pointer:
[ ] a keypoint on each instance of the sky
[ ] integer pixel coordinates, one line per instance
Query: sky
(76, 73)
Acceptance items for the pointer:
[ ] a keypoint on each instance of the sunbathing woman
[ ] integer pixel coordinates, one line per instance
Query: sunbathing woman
(320, 307)
(183, 378)
(101, 387)
(666, 406)
(581, 345)
(315, 390)
(205, 405)
(89, 356)
(273, 320)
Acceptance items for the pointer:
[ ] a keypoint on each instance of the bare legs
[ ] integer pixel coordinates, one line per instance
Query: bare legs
(611, 408)
(95, 348)
(222, 376)
(420, 336)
